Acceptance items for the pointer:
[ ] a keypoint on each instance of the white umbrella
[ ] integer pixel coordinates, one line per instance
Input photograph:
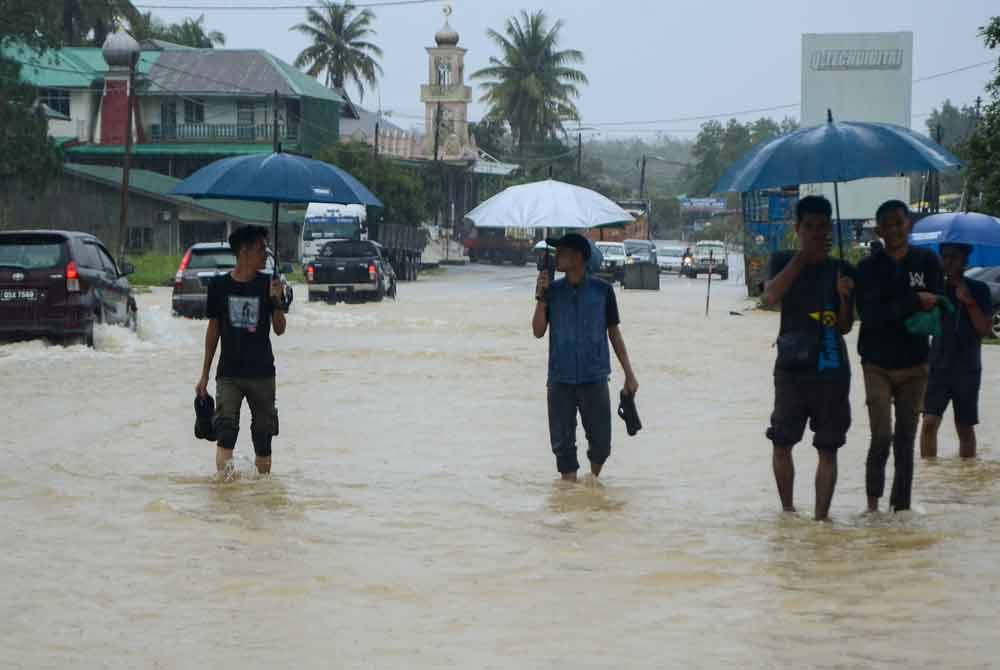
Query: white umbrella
(547, 204)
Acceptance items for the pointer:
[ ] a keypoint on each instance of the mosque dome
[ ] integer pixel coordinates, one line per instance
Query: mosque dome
(119, 49)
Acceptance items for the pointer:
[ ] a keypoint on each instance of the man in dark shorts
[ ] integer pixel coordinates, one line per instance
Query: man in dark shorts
(956, 357)
(242, 307)
(893, 285)
(812, 375)
(580, 313)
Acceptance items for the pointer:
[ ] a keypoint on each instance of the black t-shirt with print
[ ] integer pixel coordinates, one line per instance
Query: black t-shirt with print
(960, 348)
(244, 312)
(809, 312)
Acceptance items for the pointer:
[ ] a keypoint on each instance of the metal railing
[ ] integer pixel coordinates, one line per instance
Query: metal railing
(222, 132)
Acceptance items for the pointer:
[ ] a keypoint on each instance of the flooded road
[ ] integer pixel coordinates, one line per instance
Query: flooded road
(414, 519)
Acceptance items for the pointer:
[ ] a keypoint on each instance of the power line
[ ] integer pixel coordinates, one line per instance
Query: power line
(276, 8)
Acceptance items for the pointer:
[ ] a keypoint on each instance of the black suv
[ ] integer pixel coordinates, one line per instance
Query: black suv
(58, 284)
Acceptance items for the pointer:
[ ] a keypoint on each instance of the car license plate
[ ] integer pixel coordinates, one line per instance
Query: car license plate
(18, 295)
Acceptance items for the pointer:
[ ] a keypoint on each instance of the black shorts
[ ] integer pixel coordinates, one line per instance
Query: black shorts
(959, 388)
(822, 402)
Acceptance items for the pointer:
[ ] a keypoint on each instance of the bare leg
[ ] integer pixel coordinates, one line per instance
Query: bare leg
(826, 482)
(263, 464)
(595, 469)
(929, 435)
(966, 440)
(784, 476)
(223, 457)
(569, 476)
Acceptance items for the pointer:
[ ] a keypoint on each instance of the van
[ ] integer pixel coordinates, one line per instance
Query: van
(325, 222)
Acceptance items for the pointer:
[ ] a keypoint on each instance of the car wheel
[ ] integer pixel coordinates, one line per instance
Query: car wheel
(724, 277)
(996, 322)
(132, 323)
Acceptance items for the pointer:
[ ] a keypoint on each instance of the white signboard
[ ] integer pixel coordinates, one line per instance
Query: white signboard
(859, 77)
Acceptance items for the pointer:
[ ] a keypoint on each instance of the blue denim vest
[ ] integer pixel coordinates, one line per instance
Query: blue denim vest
(578, 332)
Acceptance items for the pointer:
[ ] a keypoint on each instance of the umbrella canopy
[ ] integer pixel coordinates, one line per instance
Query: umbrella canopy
(276, 177)
(547, 204)
(835, 152)
(979, 231)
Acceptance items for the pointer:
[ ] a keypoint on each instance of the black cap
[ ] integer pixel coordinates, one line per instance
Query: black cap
(572, 241)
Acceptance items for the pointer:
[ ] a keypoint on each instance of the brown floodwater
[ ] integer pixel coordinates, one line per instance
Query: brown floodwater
(414, 519)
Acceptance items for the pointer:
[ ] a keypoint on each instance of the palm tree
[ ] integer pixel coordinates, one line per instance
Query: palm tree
(339, 34)
(148, 27)
(88, 22)
(532, 84)
(191, 32)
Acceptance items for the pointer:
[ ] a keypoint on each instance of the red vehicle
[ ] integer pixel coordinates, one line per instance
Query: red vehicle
(496, 245)
(59, 284)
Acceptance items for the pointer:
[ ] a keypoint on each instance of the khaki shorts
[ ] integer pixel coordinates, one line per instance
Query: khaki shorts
(259, 394)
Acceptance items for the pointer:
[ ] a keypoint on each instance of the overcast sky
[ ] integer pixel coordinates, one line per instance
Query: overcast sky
(658, 59)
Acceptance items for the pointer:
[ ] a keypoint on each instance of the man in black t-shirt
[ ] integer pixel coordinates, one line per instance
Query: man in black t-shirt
(812, 377)
(956, 356)
(242, 306)
(893, 285)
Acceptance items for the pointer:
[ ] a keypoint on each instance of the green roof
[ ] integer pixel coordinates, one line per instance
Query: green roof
(302, 83)
(162, 186)
(70, 67)
(194, 149)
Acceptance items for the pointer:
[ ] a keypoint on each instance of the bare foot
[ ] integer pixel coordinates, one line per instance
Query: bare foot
(569, 476)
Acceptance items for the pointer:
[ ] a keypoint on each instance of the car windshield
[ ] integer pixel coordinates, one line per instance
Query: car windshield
(611, 249)
(715, 249)
(334, 227)
(31, 254)
(637, 248)
(349, 249)
(212, 259)
(673, 253)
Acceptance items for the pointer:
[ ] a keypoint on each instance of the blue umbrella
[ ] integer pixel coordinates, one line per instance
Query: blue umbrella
(979, 231)
(835, 152)
(276, 177)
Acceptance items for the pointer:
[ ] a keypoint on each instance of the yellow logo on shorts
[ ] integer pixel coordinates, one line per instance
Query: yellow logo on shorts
(829, 319)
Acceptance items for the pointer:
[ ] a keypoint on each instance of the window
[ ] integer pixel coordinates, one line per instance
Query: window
(89, 257)
(194, 111)
(55, 99)
(140, 239)
(109, 265)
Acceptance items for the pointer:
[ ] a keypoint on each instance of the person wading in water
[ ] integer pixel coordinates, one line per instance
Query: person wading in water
(812, 375)
(242, 308)
(580, 313)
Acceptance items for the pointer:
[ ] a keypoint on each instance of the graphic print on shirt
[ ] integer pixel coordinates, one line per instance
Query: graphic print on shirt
(244, 312)
(917, 280)
(829, 355)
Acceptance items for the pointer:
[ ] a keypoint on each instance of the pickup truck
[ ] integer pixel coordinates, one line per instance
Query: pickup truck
(709, 258)
(350, 271)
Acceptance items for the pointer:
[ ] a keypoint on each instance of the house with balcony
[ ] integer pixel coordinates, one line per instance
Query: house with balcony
(190, 106)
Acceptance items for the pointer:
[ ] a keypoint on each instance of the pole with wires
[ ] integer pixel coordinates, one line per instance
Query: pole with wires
(127, 157)
(274, 205)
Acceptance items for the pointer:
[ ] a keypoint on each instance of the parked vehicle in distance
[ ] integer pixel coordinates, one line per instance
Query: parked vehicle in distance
(670, 259)
(499, 245)
(60, 284)
(351, 271)
(199, 266)
(991, 277)
(710, 257)
(614, 260)
(640, 251)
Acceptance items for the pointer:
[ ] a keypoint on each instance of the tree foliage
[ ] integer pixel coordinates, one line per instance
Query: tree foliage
(402, 193)
(341, 46)
(189, 32)
(532, 85)
(984, 146)
(26, 152)
(719, 146)
(89, 22)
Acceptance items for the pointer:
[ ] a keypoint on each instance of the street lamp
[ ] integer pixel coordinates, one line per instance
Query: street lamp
(121, 51)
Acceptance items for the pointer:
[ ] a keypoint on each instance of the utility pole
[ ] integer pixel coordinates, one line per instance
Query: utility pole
(579, 154)
(437, 164)
(642, 179)
(377, 120)
(935, 200)
(127, 158)
(274, 205)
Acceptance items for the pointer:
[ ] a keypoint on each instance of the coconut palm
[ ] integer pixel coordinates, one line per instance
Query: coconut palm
(148, 27)
(191, 32)
(340, 46)
(532, 85)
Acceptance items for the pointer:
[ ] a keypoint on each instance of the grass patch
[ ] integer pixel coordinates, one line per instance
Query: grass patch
(154, 269)
(991, 341)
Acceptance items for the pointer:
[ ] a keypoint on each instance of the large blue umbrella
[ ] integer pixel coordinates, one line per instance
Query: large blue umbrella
(979, 231)
(276, 177)
(836, 151)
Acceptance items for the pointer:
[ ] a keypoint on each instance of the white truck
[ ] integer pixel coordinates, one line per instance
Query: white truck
(324, 223)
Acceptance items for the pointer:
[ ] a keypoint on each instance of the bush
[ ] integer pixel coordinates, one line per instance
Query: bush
(154, 269)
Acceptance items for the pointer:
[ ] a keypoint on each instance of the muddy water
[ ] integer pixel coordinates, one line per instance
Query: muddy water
(414, 520)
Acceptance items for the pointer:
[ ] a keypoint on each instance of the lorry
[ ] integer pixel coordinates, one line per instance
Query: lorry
(401, 245)
(500, 245)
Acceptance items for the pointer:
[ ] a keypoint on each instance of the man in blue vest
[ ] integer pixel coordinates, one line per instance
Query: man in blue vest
(580, 314)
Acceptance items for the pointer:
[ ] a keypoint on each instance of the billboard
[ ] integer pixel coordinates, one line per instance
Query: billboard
(859, 77)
